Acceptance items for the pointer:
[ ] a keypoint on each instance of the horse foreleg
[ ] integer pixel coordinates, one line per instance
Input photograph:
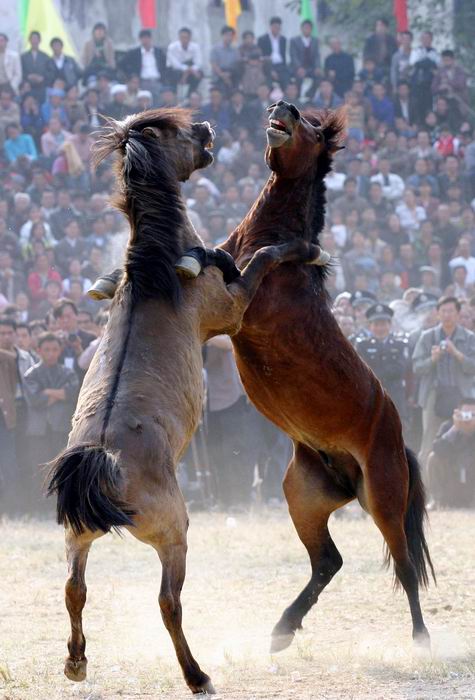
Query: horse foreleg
(77, 550)
(312, 496)
(269, 257)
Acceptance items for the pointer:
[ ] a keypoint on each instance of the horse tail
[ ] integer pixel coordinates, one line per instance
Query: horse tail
(414, 523)
(87, 480)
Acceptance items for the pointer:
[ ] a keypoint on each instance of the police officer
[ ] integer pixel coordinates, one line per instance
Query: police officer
(424, 311)
(386, 354)
(425, 316)
(361, 300)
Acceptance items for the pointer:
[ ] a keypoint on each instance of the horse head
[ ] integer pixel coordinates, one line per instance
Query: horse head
(298, 143)
(159, 142)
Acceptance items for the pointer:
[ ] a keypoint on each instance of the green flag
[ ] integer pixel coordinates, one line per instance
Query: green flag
(23, 15)
(307, 13)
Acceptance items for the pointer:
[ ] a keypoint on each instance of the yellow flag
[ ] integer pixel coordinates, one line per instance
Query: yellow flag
(43, 16)
(232, 9)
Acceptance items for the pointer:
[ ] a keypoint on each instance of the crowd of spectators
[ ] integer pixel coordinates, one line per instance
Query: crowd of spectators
(400, 219)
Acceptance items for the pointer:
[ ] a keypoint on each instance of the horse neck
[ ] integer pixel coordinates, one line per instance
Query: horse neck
(158, 217)
(160, 233)
(286, 209)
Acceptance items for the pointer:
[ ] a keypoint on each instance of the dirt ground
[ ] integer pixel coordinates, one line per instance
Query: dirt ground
(356, 643)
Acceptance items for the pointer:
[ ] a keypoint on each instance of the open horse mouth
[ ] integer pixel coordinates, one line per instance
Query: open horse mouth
(283, 118)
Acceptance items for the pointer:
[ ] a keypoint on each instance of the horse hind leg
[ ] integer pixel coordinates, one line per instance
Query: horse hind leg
(386, 497)
(312, 496)
(168, 538)
(77, 550)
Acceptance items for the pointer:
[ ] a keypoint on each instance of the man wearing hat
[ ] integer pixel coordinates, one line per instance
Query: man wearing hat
(386, 354)
(429, 280)
(117, 109)
(361, 300)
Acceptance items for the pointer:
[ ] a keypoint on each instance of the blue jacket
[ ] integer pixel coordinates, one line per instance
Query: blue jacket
(21, 146)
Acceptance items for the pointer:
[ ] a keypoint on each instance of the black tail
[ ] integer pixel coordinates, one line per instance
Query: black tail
(87, 479)
(416, 516)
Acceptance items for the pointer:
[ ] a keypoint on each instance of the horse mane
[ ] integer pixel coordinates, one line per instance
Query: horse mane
(333, 124)
(149, 195)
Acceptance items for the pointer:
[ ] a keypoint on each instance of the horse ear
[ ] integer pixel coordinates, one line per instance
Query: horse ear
(271, 107)
(152, 131)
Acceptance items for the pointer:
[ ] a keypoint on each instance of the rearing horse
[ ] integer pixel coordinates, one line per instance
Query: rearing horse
(142, 397)
(301, 372)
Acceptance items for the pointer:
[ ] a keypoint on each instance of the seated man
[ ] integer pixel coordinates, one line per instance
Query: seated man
(451, 464)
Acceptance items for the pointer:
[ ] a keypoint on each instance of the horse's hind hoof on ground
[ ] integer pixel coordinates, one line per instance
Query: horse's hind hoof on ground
(75, 670)
(422, 641)
(204, 687)
(280, 641)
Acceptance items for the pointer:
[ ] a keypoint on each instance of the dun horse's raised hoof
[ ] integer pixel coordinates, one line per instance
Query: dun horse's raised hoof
(279, 642)
(76, 670)
(188, 266)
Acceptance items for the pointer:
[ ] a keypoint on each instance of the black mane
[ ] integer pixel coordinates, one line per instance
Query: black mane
(149, 195)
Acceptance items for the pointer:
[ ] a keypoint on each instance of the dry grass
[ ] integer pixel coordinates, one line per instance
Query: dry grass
(355, 645)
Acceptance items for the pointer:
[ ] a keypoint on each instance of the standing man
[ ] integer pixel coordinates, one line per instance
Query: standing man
(184, 61)
(305, 56)
(444, 359)
(273, 47)
(225, 62)
(10, 66)
(8, 381)
(339, 68)
(34, 64)
(148, 62)
(51, 392)
(61, 67)
(74, 339)
(23, 361)
(380, 46)
(425, 61)
(387, 355)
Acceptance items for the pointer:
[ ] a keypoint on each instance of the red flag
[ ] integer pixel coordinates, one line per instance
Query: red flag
(400, 12)
(148, 15)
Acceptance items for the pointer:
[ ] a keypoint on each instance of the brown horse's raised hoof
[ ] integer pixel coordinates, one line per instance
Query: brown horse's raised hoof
(76, 670)
(188, 267)
(204, 687)
(279, 642)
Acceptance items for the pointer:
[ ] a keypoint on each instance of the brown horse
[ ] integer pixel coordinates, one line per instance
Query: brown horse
(142, 396)
(301, 372)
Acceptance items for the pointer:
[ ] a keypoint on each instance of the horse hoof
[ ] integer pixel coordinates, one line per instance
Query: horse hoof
(422, 641)
(103, 288)
(76, 670)
(279, 642)
(204, 687)
(188, 267)
(323, 259)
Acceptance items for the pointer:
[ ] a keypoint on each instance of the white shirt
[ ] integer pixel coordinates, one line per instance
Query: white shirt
(177, 56)
(149, 65)
(410, 218)
(276, 56)
(59, 61)
(393, 189)
(469, 265)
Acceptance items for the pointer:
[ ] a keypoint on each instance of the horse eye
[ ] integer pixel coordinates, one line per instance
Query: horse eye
(294, 111)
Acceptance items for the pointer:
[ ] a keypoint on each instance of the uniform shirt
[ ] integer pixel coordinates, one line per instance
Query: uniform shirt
(389, 360)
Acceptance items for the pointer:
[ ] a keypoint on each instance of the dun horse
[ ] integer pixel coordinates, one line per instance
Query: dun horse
(142, 397)
(301, 372)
